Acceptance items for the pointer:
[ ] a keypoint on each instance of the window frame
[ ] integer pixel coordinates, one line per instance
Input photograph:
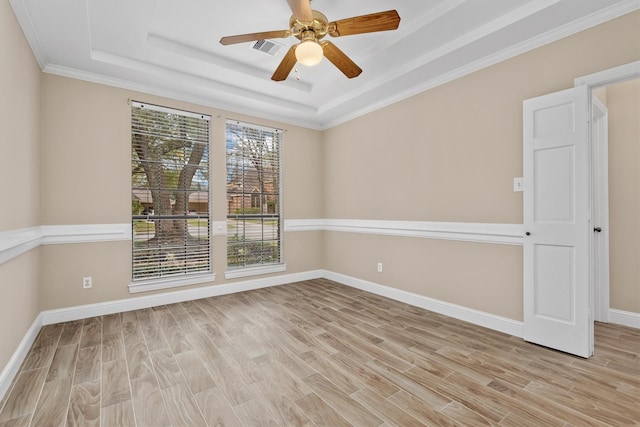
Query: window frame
(185, 278)
(233, 272)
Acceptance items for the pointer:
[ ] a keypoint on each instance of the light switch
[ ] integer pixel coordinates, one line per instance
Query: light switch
(518, 184)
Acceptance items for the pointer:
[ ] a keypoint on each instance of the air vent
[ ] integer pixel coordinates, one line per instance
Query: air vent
(267, 46)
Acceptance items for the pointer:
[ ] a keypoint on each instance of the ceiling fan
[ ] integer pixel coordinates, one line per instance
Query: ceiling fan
(310, 26)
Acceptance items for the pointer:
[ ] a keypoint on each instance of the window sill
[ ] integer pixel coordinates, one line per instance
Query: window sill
(173, 282)
(254, 271)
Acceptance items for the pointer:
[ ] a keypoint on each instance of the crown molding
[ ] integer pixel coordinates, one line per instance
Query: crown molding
(22, 15)
(559, 33)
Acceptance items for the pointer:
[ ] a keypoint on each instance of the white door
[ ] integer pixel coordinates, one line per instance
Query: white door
(556, 222)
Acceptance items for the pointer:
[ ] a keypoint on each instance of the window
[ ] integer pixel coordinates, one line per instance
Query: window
(169, 193)
(253, 196)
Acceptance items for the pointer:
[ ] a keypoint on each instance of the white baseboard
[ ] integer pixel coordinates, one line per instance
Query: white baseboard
(624, 318)
(11, 370)
(110, 307)
(511, 327)
(491, 321)
(487, 320)
(48, 317)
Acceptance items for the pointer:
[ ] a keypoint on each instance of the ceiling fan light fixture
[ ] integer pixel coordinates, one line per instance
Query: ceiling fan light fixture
(309, 53)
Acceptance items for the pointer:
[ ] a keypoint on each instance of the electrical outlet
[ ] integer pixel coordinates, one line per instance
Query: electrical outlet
(379, 267)
(86, 282)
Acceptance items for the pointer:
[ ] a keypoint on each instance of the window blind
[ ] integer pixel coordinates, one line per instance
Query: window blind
(169, 192)
(253, 195)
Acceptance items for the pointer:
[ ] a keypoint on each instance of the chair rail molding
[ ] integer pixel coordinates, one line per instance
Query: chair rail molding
(16, 242)
(509, 234)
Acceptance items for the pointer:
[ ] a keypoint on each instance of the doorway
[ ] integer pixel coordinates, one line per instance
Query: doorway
(563, 261)
(616, 204)
(601, 289)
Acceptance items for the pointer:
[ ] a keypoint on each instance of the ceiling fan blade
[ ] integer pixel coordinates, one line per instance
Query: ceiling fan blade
(340, 59)
(286, 65)
(381, 21)
(301, 9)
(241, 38)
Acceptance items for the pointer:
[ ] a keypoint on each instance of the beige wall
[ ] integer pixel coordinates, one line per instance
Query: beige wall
(623, 103)
(473, 275)
(19, 178)
(86, 179)
(450, 154)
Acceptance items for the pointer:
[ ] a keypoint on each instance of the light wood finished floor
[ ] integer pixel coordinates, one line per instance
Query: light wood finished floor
(314, 353)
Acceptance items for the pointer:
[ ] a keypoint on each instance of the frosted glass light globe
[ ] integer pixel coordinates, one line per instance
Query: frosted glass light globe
(309, 53)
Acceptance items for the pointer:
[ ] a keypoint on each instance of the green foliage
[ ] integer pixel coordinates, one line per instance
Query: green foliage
(136, 207)
(198, 222)
(247, 253)
(247, 211)
(143, 226)
(162, 262)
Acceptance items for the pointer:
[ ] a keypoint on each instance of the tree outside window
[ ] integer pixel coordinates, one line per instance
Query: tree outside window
(170, 192)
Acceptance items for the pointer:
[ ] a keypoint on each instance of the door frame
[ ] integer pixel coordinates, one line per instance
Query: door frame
(600, 209)
(598, 264)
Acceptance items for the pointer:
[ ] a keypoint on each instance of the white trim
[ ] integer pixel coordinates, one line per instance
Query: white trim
(219, 228)
(180, 95)
(291, 115)
(255, 126)
(424, 58)
(24, 18)
(13, 366)
(497, 323)
(600, 209)
(16, 242)
(168, 110)
(510, 234)
(304, 225)
(487, 320)
(618, 74)
(254, 271)
(603, 78)
(624, 318)
(135, 303)
(85, 233)
(170, 282)
(584, 23)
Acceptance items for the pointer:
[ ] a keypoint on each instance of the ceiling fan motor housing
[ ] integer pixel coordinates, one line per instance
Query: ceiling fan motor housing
(314, 30)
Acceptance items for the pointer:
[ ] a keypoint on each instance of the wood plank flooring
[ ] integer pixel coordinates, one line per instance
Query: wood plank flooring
(314, 353)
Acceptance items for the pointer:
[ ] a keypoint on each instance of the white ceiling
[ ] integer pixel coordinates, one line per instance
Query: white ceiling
(171, 48)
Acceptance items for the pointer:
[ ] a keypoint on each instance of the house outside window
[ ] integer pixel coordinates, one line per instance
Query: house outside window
(169, 193)
(254, 217)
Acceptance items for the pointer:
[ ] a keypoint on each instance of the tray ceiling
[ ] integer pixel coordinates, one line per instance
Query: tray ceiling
(172, 48)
